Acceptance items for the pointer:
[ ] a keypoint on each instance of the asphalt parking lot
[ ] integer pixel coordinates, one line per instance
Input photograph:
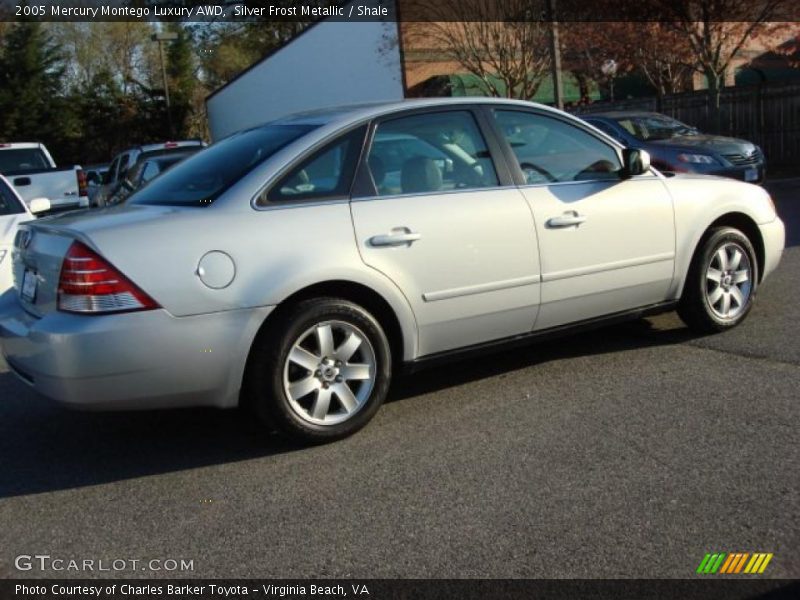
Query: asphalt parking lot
(628, 452)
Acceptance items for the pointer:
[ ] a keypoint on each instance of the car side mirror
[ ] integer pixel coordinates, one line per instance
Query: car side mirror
(635, 162)
(39, 205)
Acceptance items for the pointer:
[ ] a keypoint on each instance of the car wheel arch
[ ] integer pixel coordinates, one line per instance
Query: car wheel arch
(738, 220)
(358, 293)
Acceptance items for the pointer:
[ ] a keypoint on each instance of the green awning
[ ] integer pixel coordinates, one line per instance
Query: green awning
(467, 84)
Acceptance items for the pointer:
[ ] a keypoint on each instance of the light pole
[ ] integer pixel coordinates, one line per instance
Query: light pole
(165, 36)
(609, 69)
(555, 56)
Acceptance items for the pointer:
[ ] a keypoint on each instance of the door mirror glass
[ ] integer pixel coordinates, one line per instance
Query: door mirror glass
(637, 162)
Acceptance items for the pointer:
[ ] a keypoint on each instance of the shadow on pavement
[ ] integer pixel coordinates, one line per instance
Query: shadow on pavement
(45, 447)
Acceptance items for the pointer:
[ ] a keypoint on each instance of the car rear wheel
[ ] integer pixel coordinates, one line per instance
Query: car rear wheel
(721, 285)
(322, 373)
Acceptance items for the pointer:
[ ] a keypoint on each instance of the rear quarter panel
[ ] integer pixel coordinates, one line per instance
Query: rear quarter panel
(276, 253)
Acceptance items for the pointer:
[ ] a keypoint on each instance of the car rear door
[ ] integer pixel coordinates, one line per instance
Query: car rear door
(444, 221)
(607, 244)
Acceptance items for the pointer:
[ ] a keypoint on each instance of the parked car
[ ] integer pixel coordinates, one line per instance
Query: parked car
(13, 211)
(33, 173)
(144, 171)
(128, 159)
(680, 148)
(275, 270)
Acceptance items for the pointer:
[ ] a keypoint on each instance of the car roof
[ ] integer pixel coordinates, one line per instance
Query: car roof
(623, 114)
(360, 112)
(170, 145)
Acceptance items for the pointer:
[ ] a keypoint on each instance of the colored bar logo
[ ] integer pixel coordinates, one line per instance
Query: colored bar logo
(732, 563)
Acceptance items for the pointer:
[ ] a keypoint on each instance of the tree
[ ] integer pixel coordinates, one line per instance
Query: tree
(653, 49)
(182, 78)
(662, 56)
(31, 99)
(715, 31)
(505, 47)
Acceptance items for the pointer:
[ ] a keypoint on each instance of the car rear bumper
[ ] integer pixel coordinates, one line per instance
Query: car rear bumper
(136, 360)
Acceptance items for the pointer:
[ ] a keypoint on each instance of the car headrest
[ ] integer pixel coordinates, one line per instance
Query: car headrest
(420, 174)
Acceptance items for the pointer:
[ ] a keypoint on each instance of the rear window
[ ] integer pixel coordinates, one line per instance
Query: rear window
(22, 159)
(203, 177)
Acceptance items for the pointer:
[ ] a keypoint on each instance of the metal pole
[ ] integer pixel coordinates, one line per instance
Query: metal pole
(161, 38)
(166, 85)
(555, 56)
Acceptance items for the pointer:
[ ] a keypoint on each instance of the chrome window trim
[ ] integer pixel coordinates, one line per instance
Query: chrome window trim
(302, 204)
(437, 193)
(643, 177)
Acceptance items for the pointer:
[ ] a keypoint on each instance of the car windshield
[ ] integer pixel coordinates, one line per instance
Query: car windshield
(655, 127)
(201, 178)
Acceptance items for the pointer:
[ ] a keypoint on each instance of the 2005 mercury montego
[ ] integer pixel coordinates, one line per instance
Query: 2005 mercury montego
(292, 266)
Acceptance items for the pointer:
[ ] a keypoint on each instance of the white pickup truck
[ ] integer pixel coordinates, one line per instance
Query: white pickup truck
(31, 170)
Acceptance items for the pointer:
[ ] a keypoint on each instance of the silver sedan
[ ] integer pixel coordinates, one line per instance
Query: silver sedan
(292, 267)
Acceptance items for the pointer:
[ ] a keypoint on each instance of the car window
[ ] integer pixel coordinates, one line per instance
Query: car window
(430, 153)
(201, 178)
(655, 127)
(551, 150)
(149, 171)
(9, 205)
(111, 174)
(22, 159)
(604, 127)
(327, 173)
(123, 165)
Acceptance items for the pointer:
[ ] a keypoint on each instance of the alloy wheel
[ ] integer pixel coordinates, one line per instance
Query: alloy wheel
(329, 373)
(728, 281)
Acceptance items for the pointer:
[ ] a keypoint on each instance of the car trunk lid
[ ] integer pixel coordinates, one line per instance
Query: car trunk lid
(40, 247)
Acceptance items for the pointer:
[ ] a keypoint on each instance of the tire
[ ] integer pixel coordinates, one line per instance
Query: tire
(321, 372)
(709, 305)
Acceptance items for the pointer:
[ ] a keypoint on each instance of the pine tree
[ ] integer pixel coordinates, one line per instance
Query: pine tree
(32, 106)
(182, 79)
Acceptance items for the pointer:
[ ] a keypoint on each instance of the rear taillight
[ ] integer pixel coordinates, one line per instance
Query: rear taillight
(83, 188)
(90, 284)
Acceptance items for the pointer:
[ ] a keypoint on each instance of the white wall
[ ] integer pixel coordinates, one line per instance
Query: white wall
(333, 63)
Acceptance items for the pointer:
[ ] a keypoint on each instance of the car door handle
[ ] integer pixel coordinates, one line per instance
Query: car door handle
(568, 219)
(398, 237)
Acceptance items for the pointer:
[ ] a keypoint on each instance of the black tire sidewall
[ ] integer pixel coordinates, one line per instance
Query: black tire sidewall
(267, 382)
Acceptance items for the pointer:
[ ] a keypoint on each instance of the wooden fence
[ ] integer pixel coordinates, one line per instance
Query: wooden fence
(767, 114)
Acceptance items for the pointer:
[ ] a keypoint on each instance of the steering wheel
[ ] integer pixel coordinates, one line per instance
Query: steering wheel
(529, 169)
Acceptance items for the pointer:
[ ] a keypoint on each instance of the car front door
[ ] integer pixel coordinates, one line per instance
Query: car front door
(607, 243)
(443, 220)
